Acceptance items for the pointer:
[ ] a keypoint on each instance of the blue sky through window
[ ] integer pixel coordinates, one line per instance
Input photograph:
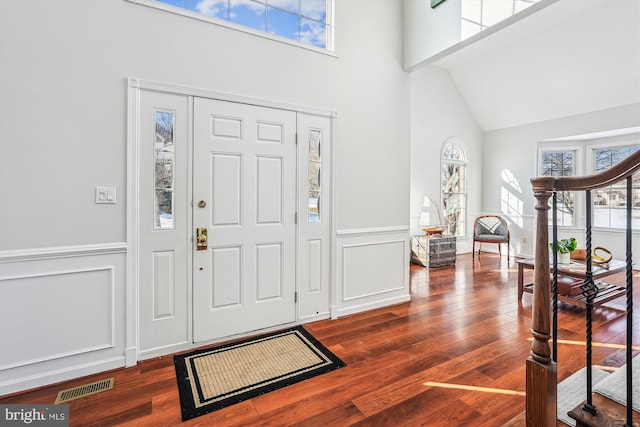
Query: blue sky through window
(300, 20)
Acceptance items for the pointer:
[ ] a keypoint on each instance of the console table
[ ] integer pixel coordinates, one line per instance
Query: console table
(577, 270)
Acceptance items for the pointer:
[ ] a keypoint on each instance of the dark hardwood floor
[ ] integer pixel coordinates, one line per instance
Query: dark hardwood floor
(453, 356)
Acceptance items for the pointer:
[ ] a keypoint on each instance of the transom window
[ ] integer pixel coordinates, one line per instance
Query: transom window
(478, 15)
(307, 22)
(453, 175)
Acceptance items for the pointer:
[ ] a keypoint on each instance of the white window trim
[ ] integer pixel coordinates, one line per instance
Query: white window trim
(579, 218)
(584, 166)
(458, 141)
(330, 50)
(609, 142)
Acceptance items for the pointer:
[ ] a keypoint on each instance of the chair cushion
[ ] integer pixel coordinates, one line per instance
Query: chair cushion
(491, 226)
(490, 238)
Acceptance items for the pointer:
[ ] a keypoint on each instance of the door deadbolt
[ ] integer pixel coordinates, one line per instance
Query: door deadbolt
(202, 204)
(202, 241)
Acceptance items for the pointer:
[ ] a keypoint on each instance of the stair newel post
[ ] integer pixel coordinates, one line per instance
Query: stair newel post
(541, 370)
(629, 285)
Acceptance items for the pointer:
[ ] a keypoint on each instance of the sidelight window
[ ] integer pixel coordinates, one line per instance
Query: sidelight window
(164, 180)
(315, 169)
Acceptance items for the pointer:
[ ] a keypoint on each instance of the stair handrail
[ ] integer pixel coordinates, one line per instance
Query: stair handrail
(541, 371)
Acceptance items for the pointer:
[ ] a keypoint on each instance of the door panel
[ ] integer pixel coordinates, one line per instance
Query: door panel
(164, 222)
(245, 172)
(314, 245)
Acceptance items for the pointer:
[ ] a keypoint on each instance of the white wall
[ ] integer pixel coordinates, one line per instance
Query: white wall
(514, 149)
(429, 31)
(438, 112)
(63, 131)
(63, 80)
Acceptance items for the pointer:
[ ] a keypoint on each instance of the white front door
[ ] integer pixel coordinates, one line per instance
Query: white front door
(244, 195)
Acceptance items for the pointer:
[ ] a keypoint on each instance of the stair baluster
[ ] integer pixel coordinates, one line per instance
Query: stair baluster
(629, 284)
(589, 290)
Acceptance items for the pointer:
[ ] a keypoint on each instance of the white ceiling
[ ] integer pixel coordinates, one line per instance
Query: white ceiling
(570, 57)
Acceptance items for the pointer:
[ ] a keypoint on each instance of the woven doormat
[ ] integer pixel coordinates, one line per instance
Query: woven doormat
(214, 378)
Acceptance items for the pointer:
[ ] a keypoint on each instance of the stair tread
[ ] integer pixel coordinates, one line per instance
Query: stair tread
(571, 392)
(609, 413)
(614, 386)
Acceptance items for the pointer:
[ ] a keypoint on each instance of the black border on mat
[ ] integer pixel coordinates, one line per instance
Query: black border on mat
(187, 404)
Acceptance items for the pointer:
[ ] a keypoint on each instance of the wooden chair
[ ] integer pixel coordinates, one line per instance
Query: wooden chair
(491, 229)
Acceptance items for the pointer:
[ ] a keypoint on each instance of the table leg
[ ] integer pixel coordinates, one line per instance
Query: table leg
(520, 281)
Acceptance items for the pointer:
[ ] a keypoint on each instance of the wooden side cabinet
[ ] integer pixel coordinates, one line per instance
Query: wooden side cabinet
(433, 251)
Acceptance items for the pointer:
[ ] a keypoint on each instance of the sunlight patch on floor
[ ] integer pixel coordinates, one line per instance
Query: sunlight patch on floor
(475, 388)
(594, 344)
(606, 368)
(508, 270)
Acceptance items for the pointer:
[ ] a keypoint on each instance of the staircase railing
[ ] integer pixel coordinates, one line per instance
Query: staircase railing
(541, 373)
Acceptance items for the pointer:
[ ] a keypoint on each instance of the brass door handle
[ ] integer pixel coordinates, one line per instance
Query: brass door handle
(202, 241)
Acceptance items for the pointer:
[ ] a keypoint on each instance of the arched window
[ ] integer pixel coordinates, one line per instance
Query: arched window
(453, 177)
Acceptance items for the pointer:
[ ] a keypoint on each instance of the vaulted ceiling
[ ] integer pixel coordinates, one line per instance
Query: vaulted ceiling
(571, 57)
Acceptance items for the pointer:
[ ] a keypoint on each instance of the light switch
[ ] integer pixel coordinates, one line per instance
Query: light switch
(105, 195)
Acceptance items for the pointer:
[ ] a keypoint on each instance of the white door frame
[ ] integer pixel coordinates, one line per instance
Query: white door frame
(135, 86)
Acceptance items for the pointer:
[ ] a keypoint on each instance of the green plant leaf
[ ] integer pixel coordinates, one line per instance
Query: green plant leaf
(566, 245)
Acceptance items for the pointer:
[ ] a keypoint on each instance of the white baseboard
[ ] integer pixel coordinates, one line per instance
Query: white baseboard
(373, 305)
(59, 375)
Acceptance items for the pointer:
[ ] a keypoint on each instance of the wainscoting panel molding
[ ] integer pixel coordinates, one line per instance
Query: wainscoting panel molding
(372, 269)
(61, 314)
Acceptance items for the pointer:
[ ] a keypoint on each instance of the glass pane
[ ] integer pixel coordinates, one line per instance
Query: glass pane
(494, 11)
(557, 163)
(452, 181)
(606, 158)
(313, 33)
(282, 24)
(164, 210)
(471, 10)
(249, 14)
(454, 211)
(315, 181)
(565, 208)
(560, 163)
(314, 9)
(178, 3)
(315, 137)
(288, 5)
(314, 176)
(164, 172)
(215, 9)
(164, 157)
(609, 204)
(453, 152)
(314, 206)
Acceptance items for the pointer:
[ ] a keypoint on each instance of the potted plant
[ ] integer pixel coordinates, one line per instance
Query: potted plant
(565, 247)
